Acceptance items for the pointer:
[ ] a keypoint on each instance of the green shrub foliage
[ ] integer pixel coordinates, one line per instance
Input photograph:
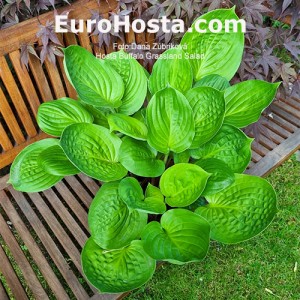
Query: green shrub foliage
(178, 157)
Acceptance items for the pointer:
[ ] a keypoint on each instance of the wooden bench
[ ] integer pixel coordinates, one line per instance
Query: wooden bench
(41, 234)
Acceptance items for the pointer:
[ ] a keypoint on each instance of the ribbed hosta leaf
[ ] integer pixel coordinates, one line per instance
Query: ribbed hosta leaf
(54, 161)
(111, 223)
(182, 184)
(221, 53)
(208, 108)
(54, 116)
(171, 69)
(245, 101)
(230, 145)
(170, 121)
(93, 150)
(116, 271)
(26, 174)
(140, 159)
(95, 80)
(182, 236)
(135, 81)
(128, 126)
(240, 211)
(221, 175)
(215, 81)
(131, 193)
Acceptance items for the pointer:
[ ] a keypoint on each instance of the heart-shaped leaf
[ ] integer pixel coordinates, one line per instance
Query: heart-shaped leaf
(117, 271)
(240, 211)
(93, 150)
(128, 126)
(131, 193)
(135, 81)
(140, 159)
(26, 174)
(54, 161)
(182, 184)
(245, 101)
(215, 81)
(170, 121)
(95, 80)
(221, 175)
(221, 52)
(171, 69)
(230, 145)
(111, 223)
(54, 116)
(181, 237)
(153, 191)
(208, 107)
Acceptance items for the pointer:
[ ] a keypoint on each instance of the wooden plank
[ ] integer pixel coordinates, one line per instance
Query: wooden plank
(7, 157)
(57, 229)
(287, 121)
(3, 294)
(10, 276)
(289, 109)
(255, 157)
(3, 182)
(25, 32)
(10, 119)
(55, 79)
(90, 183)
(50, 245)
(40, 78)
(34, 250)
(25, 80)
(276, 131)
(72, 203)
(29, 275)
(84, 39)
(79, 190)
(258, 148)
(66, 217)
(16, 97)
(4, 140)
(277, 156)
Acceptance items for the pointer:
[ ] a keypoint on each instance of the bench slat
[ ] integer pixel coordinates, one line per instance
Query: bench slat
(5, 141)
(22, 261)
(50, 245)
(34, 250)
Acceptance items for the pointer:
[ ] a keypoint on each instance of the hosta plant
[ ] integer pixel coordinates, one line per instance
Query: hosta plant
(167, 148)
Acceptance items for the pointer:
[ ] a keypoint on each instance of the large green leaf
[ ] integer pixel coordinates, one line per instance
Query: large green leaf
(170, 121)
(215, 81)
(99, 114)
(140, 159)
(221, 175)
(116, 271)
(208, 108)
(95, 80)
(54, 116)
(220, 53)
(26, 174)
(135, 80)
(241, 211)
(132, 194)
(171, 69)
(245, 101)
(54, 161)
(93, 150)
(230, 145)
(128, 126)
(181, 237)
(182, 184)
(111, 223)
(153, 191)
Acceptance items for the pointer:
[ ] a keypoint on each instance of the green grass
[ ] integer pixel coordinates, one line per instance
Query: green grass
(262, 268)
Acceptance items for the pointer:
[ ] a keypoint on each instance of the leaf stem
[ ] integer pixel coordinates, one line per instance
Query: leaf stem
(166, 158)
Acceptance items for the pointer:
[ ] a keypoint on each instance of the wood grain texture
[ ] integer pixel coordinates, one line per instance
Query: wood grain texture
(25, 32)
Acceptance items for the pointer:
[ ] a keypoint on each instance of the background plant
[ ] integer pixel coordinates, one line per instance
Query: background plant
(170, 167)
